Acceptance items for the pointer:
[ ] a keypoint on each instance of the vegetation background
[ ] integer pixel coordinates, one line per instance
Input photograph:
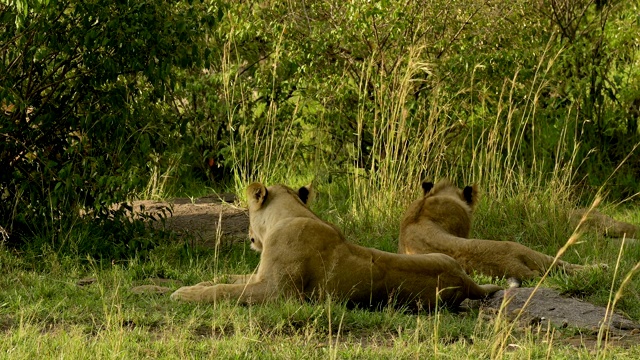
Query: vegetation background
(104, 102)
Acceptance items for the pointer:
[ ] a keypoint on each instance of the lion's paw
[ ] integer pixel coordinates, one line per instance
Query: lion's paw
(193, 293)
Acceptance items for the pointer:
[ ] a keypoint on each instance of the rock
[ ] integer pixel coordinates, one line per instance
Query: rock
(207, 220)
(548, 305)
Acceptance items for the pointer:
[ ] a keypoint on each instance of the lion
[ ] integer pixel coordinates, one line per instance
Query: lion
(593, 220)
(304, 257)
(440, 222)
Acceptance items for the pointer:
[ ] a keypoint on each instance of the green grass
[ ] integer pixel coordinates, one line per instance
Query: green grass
(45, 314)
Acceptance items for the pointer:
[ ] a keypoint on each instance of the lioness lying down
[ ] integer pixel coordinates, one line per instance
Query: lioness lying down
(440, 222)
(305, 257)
(594, 220)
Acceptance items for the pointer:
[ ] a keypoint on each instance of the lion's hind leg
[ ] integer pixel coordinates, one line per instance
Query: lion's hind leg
(241, 279)
(569, 268)
(484, 291)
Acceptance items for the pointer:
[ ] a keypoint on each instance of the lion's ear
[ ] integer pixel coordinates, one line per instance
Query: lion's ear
(256, 194)
(471, 195)
(427, 186)
(305, 193)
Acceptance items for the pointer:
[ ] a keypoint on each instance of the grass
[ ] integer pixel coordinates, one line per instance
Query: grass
(58, 319)
(45, 314)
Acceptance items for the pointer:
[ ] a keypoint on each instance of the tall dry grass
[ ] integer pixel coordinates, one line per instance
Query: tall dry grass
(493, 142)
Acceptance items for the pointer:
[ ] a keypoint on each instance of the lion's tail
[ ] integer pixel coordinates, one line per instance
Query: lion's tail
(482, 291)
(544, 261)
(568, 267)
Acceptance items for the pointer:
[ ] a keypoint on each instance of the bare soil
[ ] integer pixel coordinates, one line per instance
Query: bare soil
(207, 219)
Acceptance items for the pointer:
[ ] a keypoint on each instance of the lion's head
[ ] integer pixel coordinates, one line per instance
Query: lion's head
(445, 204)
(280, 199)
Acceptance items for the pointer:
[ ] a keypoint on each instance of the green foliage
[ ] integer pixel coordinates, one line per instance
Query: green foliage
(389, 92)
(598, 73)
(83, 85)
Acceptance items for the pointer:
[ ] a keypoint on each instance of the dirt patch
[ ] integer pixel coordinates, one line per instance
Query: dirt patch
(206, 219)
(6, 323)
(86, 281)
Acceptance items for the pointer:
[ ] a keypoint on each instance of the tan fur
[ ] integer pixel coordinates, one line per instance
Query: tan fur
(603, 224)
(440, 222)
(307, 258)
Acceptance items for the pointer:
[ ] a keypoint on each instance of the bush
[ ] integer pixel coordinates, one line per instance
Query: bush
(84, 88)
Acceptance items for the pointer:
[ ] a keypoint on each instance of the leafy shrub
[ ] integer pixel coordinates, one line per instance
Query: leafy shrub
(83, 87)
